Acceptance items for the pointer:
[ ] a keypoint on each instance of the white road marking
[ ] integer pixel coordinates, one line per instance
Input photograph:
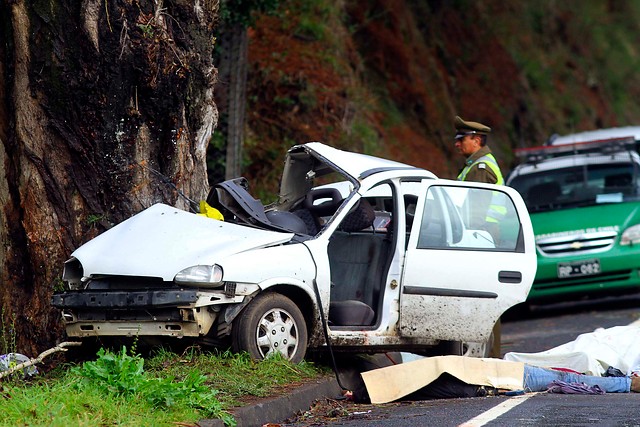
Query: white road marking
(496, 411)
(635, 323)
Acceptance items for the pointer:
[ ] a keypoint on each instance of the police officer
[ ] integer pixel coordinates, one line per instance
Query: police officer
(471, 142)
(481, 166)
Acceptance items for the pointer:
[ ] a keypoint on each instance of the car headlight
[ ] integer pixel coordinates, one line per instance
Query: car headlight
(200, 275)
(631, 235)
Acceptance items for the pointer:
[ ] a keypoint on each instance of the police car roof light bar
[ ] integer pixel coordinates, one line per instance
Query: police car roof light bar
(601, 146)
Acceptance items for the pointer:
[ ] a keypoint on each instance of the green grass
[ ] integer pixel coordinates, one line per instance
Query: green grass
(122, 388)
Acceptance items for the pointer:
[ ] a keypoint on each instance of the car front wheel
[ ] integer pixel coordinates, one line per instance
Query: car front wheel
(270, 324)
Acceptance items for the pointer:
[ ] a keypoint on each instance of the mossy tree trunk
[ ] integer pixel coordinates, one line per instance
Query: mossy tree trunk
(99, 100)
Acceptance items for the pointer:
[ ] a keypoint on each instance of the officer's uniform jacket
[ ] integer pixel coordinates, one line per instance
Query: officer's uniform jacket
(481, 166)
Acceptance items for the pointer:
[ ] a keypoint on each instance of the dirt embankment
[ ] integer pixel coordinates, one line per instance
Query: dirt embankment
(388, 76)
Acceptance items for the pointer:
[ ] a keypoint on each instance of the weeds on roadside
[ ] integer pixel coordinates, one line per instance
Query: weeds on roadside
(120, 388)
(236, 375)
(122, 374)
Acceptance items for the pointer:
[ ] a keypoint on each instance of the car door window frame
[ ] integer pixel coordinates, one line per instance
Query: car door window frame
(438, 198)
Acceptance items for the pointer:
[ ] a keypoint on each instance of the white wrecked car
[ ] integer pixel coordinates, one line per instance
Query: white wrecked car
(383, 255)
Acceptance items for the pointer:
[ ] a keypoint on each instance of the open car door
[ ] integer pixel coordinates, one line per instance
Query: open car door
(454, 286)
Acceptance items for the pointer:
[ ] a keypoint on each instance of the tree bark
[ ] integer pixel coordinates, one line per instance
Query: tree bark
(100, 101)
(233, 69)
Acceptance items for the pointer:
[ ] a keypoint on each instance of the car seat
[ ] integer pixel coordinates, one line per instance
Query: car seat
(319, 202)
(357, 263)
(360, 218)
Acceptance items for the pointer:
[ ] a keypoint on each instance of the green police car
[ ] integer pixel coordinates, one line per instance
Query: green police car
(581, 191)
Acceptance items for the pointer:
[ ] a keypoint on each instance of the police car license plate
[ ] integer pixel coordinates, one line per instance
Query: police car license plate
(578, 268)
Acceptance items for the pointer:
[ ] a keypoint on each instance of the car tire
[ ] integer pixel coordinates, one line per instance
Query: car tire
(270, 323)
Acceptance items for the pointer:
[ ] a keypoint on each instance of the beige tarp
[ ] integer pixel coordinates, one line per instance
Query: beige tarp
(393, 382)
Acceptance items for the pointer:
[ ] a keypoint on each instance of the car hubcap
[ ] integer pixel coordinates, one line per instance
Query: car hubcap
(277, 332)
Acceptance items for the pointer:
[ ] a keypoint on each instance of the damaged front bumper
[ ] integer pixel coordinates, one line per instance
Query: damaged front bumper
(171, 313)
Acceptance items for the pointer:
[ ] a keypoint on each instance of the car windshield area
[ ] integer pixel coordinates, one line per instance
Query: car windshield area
(576, 186)
(311, 193)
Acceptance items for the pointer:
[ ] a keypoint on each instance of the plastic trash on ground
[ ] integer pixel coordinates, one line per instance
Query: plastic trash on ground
(8, 361)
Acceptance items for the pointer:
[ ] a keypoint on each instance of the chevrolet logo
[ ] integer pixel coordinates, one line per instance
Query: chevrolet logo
(576, 245)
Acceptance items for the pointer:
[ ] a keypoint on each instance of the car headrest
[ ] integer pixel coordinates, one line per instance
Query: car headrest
(323, 201)
(360, 218)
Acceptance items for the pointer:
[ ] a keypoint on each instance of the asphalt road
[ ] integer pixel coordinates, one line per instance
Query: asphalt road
(543, 328)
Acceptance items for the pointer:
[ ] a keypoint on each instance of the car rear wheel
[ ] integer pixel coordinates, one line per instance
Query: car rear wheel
(271, 324)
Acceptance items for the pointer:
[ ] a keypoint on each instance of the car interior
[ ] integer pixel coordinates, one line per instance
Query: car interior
(360, 254)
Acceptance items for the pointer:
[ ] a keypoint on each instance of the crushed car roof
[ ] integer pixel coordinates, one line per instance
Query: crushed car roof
(355, 165)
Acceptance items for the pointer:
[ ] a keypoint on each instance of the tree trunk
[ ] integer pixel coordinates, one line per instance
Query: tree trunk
(101, 100)
(233, 67)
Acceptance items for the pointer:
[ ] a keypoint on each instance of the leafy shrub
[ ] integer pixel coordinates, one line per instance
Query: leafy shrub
(122, 374)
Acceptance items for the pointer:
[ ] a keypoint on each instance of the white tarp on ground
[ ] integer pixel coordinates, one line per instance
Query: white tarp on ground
(591, 353)
(393, 382)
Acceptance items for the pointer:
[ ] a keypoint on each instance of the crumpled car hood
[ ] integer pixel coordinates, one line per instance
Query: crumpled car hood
(161, 241)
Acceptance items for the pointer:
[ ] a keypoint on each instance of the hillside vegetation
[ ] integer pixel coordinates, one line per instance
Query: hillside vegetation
(386, 77)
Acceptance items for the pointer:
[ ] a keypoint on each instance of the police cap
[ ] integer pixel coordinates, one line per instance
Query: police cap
(467, 128)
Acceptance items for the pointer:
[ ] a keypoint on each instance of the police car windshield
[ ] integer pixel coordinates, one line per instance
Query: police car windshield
(578, 186)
